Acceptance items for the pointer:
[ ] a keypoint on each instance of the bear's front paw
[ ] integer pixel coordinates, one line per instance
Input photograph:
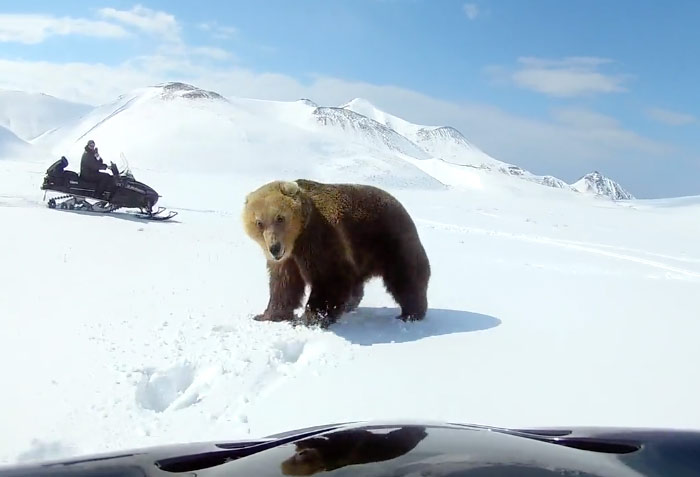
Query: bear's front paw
(274, 316)
(314, 318)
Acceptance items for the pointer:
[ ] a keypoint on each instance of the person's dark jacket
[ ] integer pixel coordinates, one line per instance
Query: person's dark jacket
(91, 165)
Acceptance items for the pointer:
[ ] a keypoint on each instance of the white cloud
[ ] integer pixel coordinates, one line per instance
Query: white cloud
(672, 118)
(217, 31)
(471, 10)
(584, 119)
(210, 52)
(82, 82)
(33, 29)
(605, 130)
(146, 20)
(568, 77)
(570, 62)
(182, 50)
(167, 28)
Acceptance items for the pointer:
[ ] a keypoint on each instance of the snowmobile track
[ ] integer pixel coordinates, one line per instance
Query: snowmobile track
(80, 204)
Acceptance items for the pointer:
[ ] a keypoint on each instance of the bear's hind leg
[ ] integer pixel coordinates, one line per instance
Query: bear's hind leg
(406, 278)
(410, 296)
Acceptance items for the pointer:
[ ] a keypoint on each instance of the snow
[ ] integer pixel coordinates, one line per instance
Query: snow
(547, 307)
(10, 144)
(29, 115)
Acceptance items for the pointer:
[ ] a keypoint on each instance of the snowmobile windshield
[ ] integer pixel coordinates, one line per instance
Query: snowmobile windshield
(123, 166)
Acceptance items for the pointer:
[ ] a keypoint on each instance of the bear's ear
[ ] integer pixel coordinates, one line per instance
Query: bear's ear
(289, 188)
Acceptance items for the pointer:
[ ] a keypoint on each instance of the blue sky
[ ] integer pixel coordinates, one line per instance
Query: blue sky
(558, 87)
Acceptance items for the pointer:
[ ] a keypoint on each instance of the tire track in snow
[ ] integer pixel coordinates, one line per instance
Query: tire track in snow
(574, 245)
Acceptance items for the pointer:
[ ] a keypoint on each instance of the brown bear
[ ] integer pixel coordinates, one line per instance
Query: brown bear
(333, 238)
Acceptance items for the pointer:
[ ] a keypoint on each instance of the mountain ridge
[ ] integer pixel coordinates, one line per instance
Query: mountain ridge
(598, 184)
(350, 130)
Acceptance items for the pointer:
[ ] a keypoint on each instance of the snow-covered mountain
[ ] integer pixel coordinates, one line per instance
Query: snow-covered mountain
(555, 182)
(10, 144)
(174, 126)
(365, 129)
(597, 184)
(29, 115)
(180, 126)
(443, 142)
(448, 144)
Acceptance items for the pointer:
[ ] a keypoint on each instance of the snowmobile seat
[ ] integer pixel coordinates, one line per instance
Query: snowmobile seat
(83, 184)
(70, 176)
(56, 169)
(57, 175)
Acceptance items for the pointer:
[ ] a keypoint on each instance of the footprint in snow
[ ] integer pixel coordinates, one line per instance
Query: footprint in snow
(174, 388)
(289, 351)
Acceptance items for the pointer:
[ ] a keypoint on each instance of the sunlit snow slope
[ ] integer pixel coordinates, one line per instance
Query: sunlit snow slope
(29, 115)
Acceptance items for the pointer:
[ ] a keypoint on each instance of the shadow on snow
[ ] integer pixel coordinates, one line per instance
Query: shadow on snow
(368, 326)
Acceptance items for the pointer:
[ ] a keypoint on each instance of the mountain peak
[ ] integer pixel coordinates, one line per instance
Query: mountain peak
(175, 89)
(598, 184)
(358, 103)
(308, 102)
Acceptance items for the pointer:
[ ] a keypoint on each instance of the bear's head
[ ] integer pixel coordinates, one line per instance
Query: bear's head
(273, 217)
(303, 462)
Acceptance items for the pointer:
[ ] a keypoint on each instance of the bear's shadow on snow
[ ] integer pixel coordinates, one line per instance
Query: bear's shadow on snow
(368, 326)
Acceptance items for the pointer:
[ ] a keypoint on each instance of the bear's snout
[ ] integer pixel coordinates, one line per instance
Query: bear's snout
(276, 250)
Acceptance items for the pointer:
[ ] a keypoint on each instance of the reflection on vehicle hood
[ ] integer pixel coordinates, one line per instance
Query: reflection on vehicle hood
(405, 448)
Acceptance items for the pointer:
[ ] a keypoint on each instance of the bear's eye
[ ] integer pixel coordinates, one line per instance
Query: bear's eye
(279, 219)
(259, 224)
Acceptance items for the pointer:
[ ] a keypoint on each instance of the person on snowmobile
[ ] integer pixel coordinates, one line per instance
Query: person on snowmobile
(91, 166)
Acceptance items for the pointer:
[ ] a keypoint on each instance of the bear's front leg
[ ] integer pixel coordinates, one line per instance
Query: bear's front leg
(327, 301)
(286, 291)
(355, 299)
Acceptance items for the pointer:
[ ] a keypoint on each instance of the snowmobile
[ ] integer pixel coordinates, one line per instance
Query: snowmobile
(129, 193)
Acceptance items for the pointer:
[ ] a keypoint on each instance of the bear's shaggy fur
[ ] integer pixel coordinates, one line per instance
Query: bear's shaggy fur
(334, 237)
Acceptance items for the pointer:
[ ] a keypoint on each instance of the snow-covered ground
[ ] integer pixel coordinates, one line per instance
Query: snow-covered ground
(547, 307)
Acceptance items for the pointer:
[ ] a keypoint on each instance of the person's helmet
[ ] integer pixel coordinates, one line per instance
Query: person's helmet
(91, 144)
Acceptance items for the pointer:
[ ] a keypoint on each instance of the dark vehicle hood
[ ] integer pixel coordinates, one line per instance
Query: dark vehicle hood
(404, 448)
